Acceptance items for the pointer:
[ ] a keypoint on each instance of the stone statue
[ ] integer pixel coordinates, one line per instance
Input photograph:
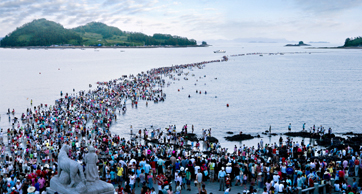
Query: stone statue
(71, 179)
(91, 170)
(70, 166)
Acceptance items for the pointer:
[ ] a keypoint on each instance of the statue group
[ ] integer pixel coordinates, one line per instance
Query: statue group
(72, 180)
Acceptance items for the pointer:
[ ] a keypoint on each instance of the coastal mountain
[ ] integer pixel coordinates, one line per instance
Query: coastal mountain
(353, 42)
(96, 33)
(42, 32)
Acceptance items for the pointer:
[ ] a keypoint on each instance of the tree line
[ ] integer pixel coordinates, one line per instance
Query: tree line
(42, 32)
(160, 39)
(353, 42)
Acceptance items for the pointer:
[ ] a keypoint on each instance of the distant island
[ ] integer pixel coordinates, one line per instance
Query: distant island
(301, 43)
(350, 43)
(353, 42)
(42, 32)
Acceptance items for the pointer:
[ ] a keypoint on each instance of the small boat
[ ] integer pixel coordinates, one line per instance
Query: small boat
(220, 51)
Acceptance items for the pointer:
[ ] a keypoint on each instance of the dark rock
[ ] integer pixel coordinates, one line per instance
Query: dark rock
(302, 134)
(191, 137)
(230, 132)
(351, 133)
(239, 137)
(152, 141)
(348, 133)
(212, 139)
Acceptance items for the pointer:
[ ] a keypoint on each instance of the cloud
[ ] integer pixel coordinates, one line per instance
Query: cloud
(326, 6)
(201, 19)
(71, 12)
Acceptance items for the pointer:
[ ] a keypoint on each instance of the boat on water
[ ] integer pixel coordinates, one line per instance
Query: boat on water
(220, 51)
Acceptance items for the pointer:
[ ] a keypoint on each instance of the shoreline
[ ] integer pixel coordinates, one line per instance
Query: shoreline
(99, 47)
(338, 47)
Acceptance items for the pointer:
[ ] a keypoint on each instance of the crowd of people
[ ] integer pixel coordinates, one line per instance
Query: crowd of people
(29, 149)
(30, 145)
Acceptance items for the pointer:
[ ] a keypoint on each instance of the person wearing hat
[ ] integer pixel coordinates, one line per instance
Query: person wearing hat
(31, 190)
(18, 186)
(221, 177)
(276, 177)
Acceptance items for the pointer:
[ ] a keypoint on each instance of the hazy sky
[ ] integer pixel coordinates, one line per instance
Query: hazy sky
(308, 20)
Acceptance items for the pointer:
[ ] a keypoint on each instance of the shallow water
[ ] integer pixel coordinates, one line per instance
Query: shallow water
(321, 88)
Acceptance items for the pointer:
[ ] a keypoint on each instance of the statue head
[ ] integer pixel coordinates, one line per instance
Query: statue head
(91, 149)
(65, 148)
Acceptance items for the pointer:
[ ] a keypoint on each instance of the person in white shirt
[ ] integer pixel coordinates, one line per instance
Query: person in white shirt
(336, 186)
(197, 169)
(276, 177)
(276, 187)
(281, 187)
(132, 179)
(228, 168)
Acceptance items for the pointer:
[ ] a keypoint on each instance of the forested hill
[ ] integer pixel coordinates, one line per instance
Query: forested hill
(42, 32)
(353, 42)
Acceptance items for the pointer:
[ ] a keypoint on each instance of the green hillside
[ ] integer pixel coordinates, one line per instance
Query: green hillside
(353, 42)
(95, 33)
(42, 32)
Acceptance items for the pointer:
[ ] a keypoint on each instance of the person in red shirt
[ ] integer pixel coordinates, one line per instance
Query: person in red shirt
(160, 180)
(311, 181)
(356, 166)
(153, 166)
(38, 171)
(341, 174)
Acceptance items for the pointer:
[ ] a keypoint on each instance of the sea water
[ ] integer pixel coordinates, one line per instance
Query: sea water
(312, 86)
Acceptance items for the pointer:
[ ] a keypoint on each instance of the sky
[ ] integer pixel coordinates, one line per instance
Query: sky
(307, 20)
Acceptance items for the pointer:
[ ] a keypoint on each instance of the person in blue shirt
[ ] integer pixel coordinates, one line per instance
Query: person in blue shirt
(12, 182)
(138, 172)
(177, 164)
(354, 185)
(37, 185)
(142, 163)
(147, 168)
(113, 176)
(221, 177)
